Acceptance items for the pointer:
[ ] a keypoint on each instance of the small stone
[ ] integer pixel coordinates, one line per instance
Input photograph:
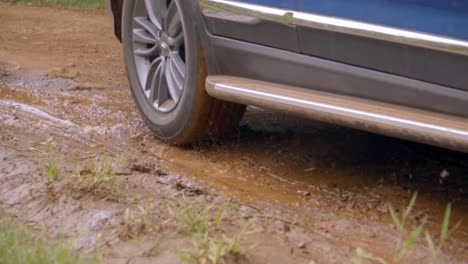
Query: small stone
(444, 174)
(305, 193)
(301, 245)
(281, 227)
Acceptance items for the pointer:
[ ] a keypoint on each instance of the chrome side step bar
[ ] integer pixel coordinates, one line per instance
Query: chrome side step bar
(387, 119)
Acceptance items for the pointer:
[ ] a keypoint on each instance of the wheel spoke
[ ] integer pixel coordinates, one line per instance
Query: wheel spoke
(163, 94)
(140, 35)
(155, 11)
(174, 83)
(179, 65)
(152, 74)
(154, 85)
(172, 22)
(148, 26)
(175, 74)
(177, 40)
(145, 52)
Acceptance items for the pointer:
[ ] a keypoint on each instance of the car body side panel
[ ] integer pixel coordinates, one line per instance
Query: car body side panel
(445, 18)
(404, 60)
(405, 43)
(229, 23)
(440, 17)
(252, 61)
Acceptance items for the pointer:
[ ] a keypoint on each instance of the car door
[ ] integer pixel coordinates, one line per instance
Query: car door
(425, 40)
(252, 21)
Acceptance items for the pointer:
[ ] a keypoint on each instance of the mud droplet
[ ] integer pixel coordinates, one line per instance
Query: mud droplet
(86, 87)
(63, 73)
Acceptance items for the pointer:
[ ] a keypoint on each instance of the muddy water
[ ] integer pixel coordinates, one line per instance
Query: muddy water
(335, 183)
(344, 171)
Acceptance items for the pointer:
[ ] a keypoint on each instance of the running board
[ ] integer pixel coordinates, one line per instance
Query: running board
(383, 118)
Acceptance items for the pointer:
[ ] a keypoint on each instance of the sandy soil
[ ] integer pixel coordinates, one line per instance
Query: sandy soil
(313, 191)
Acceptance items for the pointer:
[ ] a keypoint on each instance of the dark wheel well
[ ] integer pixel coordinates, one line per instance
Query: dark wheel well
(116, 7)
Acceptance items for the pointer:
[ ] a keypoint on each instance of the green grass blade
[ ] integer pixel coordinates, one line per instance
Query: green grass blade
(410, 205)
(445, 224)
(362, 255)
(395, 218)
(454, 228)
(431, 246)
(411, 239)
(219, 218)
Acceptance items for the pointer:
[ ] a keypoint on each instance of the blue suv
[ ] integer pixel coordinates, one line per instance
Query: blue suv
(394, 67)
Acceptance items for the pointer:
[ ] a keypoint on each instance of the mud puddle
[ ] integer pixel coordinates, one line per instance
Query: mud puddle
(317, 191)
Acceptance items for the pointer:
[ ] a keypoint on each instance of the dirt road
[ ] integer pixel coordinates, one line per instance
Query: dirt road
(314, 191)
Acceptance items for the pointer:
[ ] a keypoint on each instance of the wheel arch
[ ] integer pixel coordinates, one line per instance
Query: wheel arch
(203, 34)
(115, 7)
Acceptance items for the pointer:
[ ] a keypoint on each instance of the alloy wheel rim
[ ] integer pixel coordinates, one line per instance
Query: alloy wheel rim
(159, 52)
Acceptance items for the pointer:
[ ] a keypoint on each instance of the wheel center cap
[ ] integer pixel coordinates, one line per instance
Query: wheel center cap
(164, 49)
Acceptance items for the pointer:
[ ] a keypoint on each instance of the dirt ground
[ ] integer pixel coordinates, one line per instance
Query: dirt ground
(314, 192)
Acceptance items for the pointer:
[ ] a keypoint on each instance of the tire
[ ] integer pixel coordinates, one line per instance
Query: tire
(194, 115)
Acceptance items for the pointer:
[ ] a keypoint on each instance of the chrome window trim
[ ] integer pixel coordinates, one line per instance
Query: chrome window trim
(225, 8)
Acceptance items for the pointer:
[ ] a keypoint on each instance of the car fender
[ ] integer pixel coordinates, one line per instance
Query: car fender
(114, 8)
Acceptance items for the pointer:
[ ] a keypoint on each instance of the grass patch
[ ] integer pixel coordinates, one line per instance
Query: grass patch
(445, 234)
(51, 171)
(407, 237)
(140, 221)
(78, 3)
(51, 168)
(210, 242)
(216, 249)
(191, 220)
(18, 246)
(95, 175)
(98, 176)
(400, 222)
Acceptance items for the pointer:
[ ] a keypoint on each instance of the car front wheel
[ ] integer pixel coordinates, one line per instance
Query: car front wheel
(166, 70)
